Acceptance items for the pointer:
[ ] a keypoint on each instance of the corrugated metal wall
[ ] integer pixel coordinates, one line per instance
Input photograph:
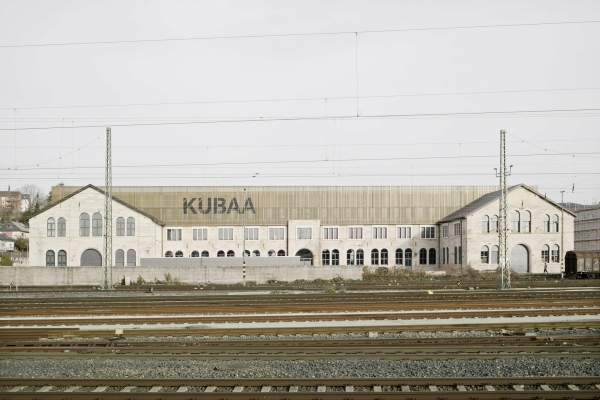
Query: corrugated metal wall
(275, 205)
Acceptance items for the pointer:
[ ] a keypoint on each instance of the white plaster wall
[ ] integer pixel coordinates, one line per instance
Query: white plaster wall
(146, 241)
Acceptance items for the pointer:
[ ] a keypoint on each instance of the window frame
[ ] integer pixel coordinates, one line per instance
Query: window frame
(120, 231)
(380, 232)
(555, 253)
(61, 227)
(50, 258)
(84, 224)
(485, 254)
(178, 234)
(97, 231)
(428, 232)
(200, 229)
(274, 233)
(60, 263)
(403, 232)
(221, 236)
(330, 233)
(374, 257)
(251, 233)
(545, 254)
(50, 227)
(335, 257)
(302, 231)
(130, 226)
(401, 258)
(354, 232)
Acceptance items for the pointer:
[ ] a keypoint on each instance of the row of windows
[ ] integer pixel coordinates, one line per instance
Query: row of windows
(520, 222)
(230, 253)
(457, 255)
(457, 229)
(60, 229)
(120, 258)
(252, 233)
(403, 257)
(51, 259)
(546, 253)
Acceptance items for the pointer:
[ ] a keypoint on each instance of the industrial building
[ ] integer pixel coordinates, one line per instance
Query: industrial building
(406, 226)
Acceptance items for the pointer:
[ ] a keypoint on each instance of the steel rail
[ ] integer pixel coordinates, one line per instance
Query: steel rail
(376, 388)
(426, 326)
(111, 320)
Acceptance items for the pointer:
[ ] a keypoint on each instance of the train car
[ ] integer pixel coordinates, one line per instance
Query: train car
(581, 265)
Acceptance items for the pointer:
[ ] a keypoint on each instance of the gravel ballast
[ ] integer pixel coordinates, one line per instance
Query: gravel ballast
(515, 367)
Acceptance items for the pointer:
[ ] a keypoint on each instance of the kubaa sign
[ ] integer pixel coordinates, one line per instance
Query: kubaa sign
(217, 205)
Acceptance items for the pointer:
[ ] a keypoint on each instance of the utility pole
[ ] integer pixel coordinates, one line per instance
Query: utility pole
(562, 234)
(244, 243)
(108, 214)
(503, 260)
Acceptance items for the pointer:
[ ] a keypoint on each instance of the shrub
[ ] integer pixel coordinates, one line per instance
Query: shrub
(5, 261)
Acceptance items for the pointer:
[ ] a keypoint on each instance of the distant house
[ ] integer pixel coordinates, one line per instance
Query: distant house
(15, 230)
(6, 243)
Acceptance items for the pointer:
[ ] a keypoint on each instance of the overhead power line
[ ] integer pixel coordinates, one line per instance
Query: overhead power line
(319, 118)
(304, 34)
(179, 103)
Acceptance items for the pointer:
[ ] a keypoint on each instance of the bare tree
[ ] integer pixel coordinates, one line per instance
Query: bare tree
(33, 196)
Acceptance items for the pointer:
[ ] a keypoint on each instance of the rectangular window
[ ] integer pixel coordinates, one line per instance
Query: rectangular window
(445, 231)
(428, 232)
(484, 255)
(554, 255)
(545, 256)
(120, 227)
(200, 233)
(225, 233)
(251, 234)
(304, 233)
(355, 232)
(379, 232)
(276, 234)
(403, 232)
(330, 233)
(130, 226)
(174, 234)
(457, 229)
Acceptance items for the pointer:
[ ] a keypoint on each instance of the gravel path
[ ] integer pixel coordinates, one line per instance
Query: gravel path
(517, 367)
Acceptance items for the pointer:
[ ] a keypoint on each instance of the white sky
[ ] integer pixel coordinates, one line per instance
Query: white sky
(528, 64)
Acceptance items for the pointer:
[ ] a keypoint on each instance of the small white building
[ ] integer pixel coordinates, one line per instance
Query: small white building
(541, 232)
(15, 230)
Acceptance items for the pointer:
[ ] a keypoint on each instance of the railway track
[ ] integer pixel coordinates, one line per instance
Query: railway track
(275, 389)
(573, 346)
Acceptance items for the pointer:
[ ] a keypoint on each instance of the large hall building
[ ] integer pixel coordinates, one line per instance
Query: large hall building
(408, 226)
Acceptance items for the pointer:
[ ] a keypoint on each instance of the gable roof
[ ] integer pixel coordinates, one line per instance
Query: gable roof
(487, 199)
(90, 186)
(14, 226)
(6, 238)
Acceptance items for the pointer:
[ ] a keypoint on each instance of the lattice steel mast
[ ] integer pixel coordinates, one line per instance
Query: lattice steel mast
(503, 260)
(108, 214)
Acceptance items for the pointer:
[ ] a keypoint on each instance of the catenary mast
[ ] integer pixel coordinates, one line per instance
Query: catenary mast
(503, 261)
(108, 214)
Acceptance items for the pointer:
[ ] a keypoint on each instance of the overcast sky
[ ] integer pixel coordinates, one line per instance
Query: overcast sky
(265, 93)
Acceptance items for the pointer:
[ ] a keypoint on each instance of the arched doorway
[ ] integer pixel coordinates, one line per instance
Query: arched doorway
(305, 255)
(519, 259)
(91, 258)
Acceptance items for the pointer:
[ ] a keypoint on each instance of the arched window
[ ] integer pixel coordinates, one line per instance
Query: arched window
(130, 226)
(335, 257)
(546, 223)
(485, 224)
(205, 253)
(374, 257)
(247, 252)
(231, 253)
(447, 255)
(545, 253)
(455, 255)
(62, 258)
(399, 254)
(96, 224)
(432, 256)
(120, 226)
(119, 258)
(131, 258)
(84, 225)
(555, 253)
(51, 227)
(494, 223)
(50, 262)
(350, 257)
(195, 253)
(281, 253)
(256, 253)
(408, 258)
(423, 256)
(526, 221)
(91, 258)
(62, 227)
(220, 253)
(325, 257)
(179, 253)
(384, 257)
(169, 254)
(360, 257)
(485, 255)
(271, 253)
(555, 223)
(515, 219)
(495, 251)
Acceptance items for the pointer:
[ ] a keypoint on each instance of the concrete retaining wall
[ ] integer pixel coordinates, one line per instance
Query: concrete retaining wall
(65, 276)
